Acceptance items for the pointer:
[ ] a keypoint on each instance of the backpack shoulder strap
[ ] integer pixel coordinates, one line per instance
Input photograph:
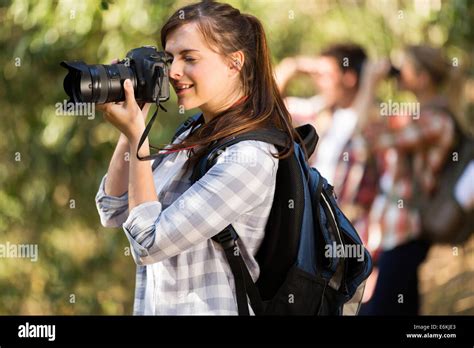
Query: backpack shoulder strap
(272, 136)
(227, 238)
(183, 127)
(309, 136)
(244, 285)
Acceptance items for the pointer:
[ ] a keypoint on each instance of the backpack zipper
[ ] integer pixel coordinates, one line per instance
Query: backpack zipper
(334, 222)
(334, 225)
(360, 276)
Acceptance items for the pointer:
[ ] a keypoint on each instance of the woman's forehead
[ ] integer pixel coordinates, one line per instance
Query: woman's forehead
(186, 37)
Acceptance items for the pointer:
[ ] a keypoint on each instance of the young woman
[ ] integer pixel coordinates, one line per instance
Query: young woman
(221, 65)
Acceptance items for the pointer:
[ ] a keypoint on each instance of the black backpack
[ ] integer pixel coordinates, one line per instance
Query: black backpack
(305, 266)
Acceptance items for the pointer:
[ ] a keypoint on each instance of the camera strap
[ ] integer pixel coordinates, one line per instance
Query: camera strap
(145, 134)
(152, 120)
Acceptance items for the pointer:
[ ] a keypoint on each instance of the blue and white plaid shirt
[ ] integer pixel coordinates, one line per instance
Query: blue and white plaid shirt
(181, 271)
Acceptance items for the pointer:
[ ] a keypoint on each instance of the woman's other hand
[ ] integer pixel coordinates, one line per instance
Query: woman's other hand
(126, 116)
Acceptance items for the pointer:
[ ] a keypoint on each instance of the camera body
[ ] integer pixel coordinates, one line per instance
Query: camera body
(394, 72)
(145, 66)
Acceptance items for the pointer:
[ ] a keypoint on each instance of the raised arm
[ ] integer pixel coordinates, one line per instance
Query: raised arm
(128, 180)
(291, 66)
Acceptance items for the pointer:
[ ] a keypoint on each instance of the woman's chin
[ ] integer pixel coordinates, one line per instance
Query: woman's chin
(187, 104)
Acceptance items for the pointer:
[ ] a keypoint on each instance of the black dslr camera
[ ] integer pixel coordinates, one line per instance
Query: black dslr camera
(394, 72)
(146, 67)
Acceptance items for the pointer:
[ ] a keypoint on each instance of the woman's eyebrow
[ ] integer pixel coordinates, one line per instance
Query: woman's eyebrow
(184, 51)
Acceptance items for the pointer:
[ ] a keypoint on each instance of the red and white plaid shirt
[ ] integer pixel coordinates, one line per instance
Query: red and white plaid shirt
(419, 150)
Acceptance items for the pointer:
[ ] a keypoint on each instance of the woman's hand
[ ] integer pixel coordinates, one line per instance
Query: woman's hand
(372, 73)
(126, 116)
(307, 65)
(290, 66)
(300, 64)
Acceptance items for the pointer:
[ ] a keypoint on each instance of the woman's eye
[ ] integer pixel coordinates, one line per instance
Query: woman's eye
(189, 59)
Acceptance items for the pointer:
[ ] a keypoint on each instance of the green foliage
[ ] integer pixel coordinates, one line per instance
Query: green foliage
(51, 163)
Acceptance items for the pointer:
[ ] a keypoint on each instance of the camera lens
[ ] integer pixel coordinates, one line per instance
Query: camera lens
(146, 67)
(96, 83)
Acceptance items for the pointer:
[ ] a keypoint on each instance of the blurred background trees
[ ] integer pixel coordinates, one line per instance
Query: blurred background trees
(51, 166)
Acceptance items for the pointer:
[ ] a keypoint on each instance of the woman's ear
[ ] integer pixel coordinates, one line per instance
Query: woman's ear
(236, 62)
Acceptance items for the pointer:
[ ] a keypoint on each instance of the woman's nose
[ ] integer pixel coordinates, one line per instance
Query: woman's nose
(176, 70)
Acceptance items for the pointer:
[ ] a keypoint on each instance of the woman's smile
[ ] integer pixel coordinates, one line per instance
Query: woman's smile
(182, 88)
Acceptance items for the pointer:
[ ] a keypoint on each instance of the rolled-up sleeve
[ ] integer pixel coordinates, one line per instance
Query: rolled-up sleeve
(239, 181)
(113, 211)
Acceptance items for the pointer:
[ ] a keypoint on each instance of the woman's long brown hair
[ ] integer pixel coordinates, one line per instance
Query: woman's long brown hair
(227, 30)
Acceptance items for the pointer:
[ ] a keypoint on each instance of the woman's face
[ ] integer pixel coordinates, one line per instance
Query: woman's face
(200, 77)
(411, 79)
(408, 76)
